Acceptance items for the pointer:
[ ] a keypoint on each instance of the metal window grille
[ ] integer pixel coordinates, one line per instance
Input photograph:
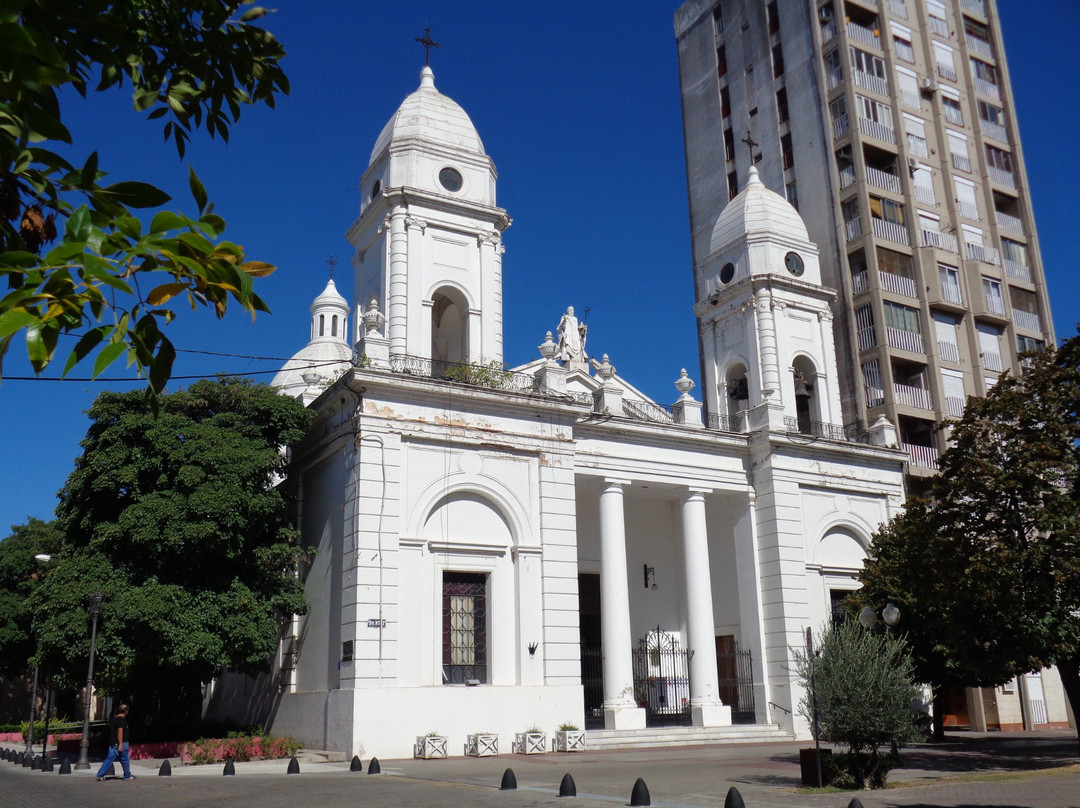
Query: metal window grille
(464, 627)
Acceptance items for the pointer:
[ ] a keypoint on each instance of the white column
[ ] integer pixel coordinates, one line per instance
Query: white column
(397, 306)
(707, 710)
(620, 708)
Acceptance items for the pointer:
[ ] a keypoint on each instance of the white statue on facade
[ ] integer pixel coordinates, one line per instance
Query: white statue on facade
(572, 336)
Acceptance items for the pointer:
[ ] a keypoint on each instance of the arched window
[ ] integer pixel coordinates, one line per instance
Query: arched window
(333, 326)
(807, 403)
(449, 327)
(322, 325)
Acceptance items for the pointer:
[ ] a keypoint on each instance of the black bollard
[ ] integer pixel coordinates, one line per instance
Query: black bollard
(230, 768)
(855, 803)
(734, 799)
(46, 764)
(25, 760)
(65, 766)
(294, 766)
(509, 781)
(640, 794)
(165, 770)
(567, 787)
(4, 753)
(373, 766)
(355, 765)
(35, 763)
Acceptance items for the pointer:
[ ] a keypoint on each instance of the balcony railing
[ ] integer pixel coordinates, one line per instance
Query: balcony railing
(883, 180)
(872, 128)
(859, 282)
(910, 99)
(847, 176)
(994, 130)
(904, 51)
(1027, 319)
(948, 351)
(898, 284)
(866, 338)
(834, 78)
(828, 31)
(979, 47)
(724, 423)
(974, 6)
(1002, 177)
(943, 241)
(477, 375)
(840, 125)
(967, 210)
(922, 456)
(994, 305)
(1009, 223)
(917, 145)
(912, 396)
(1018, 271)
(853, 228)
(898, 8)
(648, 411)
(875, 396)
(950, 292)
(991, 361)
(925, 194)
(871, 82)
(866, 36)
(890, 231)
(954, 115)
(961, 162)
(939, 27)
(955, 406)
(946, 71)
(905, 340)
(821, 429)
(980, 252)
(987, 88)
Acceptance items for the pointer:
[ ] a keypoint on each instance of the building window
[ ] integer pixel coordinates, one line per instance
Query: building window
(781, 105)
(792, 193)
(322, 325)
(997, 158)
(774, 17)
(902, 318)
(721, 62)
(903, 50)
(786, 154)
(729, 145)
(954, 113)
(777, 60)
(718, 20)
(732, 185)
(1025, 344)
(949, 278)
(464, 627)
(725, 102)
(887, 209)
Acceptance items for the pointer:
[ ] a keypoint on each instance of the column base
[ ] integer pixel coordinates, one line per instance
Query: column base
(710, 715)
(624, 718)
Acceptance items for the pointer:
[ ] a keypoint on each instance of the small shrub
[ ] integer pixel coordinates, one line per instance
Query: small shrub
(568, 726)
(239, 748)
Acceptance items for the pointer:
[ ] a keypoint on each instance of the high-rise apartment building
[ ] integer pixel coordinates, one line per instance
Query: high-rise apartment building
(890, 125)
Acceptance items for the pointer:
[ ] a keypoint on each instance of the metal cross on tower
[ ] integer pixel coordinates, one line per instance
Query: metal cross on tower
(428, 44)
(750, 144)
(331, 262)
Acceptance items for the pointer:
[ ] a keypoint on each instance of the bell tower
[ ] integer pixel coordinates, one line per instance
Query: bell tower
(428, 241)
(766, 329)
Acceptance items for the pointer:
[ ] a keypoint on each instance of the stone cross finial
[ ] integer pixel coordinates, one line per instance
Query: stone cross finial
(428, 44)
(751, 144)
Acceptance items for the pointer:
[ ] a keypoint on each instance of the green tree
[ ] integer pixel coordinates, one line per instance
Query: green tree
(19, 574)
(987, 570)
(865, 694)
(109, 278)
(180, 522)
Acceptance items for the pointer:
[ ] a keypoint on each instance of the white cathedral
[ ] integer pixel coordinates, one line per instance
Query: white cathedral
(502, 549)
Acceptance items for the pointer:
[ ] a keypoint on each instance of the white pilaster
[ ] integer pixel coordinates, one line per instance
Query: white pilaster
(398, 286)
(620, 709)
(707, 710)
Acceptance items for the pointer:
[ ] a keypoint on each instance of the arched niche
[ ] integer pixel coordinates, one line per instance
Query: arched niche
(449, 326)
(806, 392)
(736, 388)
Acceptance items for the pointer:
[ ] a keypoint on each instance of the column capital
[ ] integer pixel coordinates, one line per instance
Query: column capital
(694, 492)
(614, 482)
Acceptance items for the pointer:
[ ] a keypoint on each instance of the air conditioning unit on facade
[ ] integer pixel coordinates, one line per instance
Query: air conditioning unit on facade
(929, 86)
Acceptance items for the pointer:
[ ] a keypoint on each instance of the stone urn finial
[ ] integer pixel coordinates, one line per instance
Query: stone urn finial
(684, 384)
(373, 319)
(311, 378)
(606, 370)
(549, 348)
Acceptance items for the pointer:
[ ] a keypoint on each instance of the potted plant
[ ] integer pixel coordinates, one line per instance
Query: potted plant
(569, 738)
(482, 744)
(430, 746)
(532, 741)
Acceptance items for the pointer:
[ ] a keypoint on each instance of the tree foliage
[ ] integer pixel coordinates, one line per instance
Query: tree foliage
(110, 278)
(179, 522)
(865, 694)
(987, 570)
(19, 574)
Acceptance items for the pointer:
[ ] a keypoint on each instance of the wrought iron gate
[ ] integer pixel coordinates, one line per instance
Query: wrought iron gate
(662, 679)
(592, 682)
(736, 680)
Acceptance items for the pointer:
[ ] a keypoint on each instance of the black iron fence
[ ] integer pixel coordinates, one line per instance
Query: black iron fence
(737, 684)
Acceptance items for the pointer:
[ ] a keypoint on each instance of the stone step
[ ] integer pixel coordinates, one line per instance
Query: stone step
(684, 736)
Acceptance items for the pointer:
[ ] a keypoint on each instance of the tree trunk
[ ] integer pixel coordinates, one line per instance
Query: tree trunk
(1069, 671)
(939, 715)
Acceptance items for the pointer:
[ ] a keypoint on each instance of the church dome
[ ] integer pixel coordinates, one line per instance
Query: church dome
(757, 209)
(428, 115)
(328, 353)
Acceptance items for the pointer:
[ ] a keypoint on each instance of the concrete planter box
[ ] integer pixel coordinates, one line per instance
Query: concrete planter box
(482, 744)
(530, 743)
(429, 747)
(570, 740)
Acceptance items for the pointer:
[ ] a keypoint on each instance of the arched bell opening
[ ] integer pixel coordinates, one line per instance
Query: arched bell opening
(449, 327)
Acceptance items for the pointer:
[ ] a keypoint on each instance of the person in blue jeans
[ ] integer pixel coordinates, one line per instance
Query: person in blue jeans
(118, 745)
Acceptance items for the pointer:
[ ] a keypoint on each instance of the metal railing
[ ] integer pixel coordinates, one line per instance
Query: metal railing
(890, 231)
(883, 180)
(866, 338)
(987, 88)
(967, 210)
(950, 292)
(724, 423)
(922, 456)
(918, 145)
(994, 304)
(979, 47)
(1027, 319)
(903, 50)
(961, 162)
(948, 351)
(840, 125)
(648, 411)
(847, 176)
(974, 6)
(953, 114)
(955, 406)
(897, 284)
(991, 361)
(1010, 224)
(943, 241)
(910, 99)
(490, 376)
(1018, 271)
(834, 78)
(994, 130)
(898, 8)
(866, 36)
(939, 26)
(853, 228)
(980, 252)
(851, 433)
(1002, 177)
(910, 396)
(870, 82)
(860, 282)
(904, 340)
(925, 194)
(872, 128)
(946, 71)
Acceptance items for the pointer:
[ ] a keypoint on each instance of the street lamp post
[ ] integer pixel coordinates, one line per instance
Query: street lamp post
(43, 558)
(868, 619)
(84, 744)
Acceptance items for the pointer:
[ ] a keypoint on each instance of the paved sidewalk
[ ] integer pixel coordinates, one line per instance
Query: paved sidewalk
(767, 776)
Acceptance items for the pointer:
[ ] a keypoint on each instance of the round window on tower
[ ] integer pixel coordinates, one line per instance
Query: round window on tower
(450, 179)
(727, 272)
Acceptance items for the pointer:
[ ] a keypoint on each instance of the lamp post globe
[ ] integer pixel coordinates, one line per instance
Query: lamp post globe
(84, 744)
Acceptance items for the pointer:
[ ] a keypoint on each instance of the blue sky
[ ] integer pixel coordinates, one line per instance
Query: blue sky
(578, 105)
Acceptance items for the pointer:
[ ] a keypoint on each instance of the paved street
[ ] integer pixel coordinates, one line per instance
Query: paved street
(767, 775)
